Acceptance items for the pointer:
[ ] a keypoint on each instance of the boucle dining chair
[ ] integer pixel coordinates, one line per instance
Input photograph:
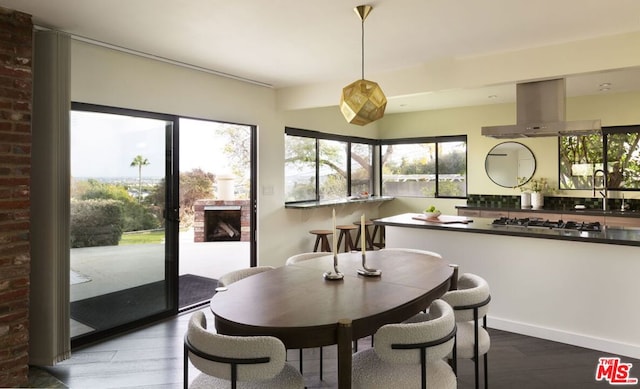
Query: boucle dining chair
(410, 355)
(304, 256)
(247, 362)
(406, 250)
(470, 302)
(236, 275)
(299, 258)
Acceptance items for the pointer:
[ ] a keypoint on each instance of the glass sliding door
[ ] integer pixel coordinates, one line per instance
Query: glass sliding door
(123, 220)
(216, 212)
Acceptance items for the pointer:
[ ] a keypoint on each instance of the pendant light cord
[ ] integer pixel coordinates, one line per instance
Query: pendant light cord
(362, 48)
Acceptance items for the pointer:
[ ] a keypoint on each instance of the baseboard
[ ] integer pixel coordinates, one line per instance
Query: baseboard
(594, 343)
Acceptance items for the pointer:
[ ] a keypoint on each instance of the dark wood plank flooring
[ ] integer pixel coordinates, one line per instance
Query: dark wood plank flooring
(152, 358)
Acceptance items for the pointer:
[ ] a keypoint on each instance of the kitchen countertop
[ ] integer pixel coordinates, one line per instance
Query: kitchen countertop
(628, 236)
(334, 202)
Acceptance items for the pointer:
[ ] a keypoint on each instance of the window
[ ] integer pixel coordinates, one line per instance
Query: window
(361, 168)
(616, 151)
(424, 167)
(333, 169)
(300, 168)
(321, 166)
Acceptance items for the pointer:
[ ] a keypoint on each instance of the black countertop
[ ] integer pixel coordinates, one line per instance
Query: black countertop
(342, 201)
(628, 236)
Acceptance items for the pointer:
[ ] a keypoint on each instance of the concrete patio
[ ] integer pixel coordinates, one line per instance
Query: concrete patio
(100, 270)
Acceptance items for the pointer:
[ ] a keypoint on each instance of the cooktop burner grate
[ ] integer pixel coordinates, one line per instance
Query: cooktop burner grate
(551, 224)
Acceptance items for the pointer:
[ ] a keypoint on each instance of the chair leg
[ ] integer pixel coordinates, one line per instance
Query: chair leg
(300, 361)
(185, 377)
(423, 367)
(454, 356)
(315, 247)
(348, 243)
(486, 368)
(325, 244)
(357, 239)
(475, 347)
(320, 363)
(486, 372)
(369, 239)
(339, 240)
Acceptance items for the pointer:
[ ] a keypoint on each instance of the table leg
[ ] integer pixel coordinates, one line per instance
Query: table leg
(454, 277)
(345, 337)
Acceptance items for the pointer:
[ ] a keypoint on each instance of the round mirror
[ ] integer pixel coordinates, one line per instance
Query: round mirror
(510, 164)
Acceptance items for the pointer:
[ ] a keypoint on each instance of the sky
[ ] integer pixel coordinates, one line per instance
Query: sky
(103, 145)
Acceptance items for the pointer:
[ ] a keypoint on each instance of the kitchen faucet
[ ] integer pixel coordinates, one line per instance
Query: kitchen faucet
(603, 189)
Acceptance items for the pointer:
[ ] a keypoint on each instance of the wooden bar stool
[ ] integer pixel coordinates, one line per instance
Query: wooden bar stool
(367, 234)
(345, 232)
(322, 240)
(378, 229)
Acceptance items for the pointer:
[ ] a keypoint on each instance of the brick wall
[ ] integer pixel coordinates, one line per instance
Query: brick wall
(16, 45)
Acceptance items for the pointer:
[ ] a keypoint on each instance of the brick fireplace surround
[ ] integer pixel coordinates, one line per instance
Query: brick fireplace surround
(16, 53)
(203, 206)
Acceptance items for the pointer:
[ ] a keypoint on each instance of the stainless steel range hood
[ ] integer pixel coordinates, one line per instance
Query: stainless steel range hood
(541, 108)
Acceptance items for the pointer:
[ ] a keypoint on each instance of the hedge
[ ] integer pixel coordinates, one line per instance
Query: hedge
(96, 223)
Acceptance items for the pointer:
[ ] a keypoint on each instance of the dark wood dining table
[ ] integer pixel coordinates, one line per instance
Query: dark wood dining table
(296, 304)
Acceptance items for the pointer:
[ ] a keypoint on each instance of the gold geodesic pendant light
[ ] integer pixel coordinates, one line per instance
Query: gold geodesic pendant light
(362, 101)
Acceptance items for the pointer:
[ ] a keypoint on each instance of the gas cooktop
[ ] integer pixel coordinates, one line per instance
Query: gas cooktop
(551, 224)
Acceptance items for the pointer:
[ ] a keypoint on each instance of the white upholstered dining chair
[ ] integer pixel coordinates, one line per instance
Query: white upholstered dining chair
(244, 362)
(406, 250)
(470, 303)
(410, 355)
(305, 256)
(236, 275)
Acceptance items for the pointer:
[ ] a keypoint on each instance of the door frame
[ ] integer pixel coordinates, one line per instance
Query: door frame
(171, 237)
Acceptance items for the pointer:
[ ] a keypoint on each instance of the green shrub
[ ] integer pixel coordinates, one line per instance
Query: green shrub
(96, 223)
(136, 216)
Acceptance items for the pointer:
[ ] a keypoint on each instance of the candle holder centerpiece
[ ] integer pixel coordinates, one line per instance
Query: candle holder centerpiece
(334, 275)
(365, 271)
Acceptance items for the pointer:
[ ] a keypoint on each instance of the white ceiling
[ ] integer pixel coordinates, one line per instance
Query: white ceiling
(292, 43)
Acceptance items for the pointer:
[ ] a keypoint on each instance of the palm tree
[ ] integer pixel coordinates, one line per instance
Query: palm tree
(139, 161)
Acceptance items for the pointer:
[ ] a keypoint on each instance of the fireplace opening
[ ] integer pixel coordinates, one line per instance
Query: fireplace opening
(222, 223)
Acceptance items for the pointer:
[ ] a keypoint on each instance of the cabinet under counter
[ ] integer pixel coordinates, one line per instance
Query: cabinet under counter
(546, 288)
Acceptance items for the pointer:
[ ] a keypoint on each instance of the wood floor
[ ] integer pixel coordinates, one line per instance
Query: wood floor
(152, 358)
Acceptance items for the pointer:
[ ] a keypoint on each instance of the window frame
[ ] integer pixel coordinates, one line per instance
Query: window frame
(317, 136)
(606, 132)
(435, 140)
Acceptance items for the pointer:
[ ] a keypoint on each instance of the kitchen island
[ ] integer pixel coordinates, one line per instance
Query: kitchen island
(575, 287)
